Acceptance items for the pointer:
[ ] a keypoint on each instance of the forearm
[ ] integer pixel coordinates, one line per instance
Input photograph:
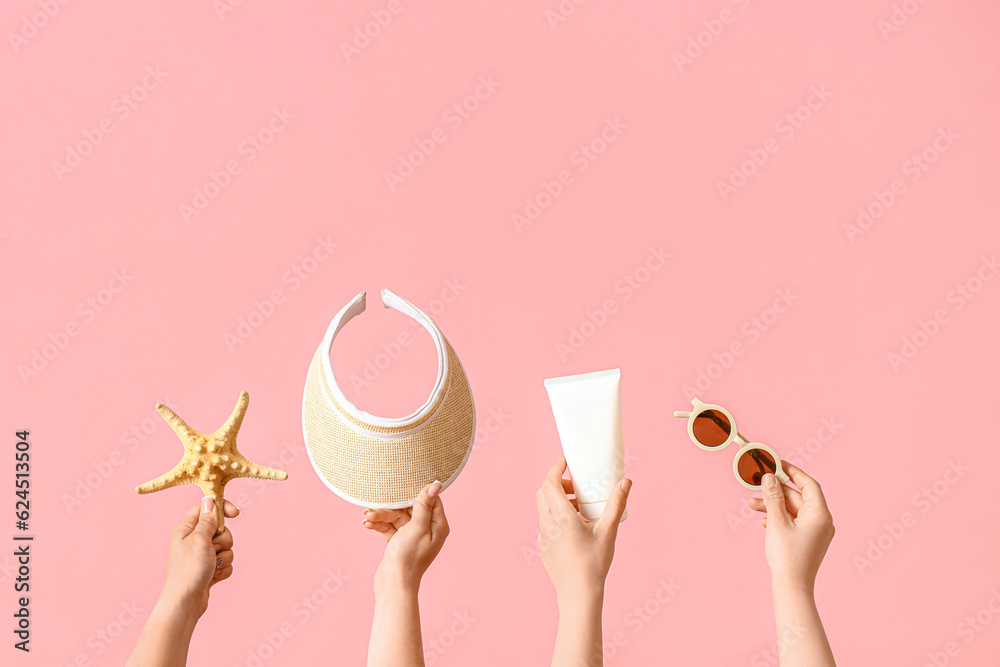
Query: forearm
(165, 638)
(802, 641)
(579, 639)
(395, 639)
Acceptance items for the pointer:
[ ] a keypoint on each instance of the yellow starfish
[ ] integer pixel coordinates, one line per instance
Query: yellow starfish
(210, 461)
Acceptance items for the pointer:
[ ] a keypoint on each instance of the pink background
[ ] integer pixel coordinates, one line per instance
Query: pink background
(515, 295)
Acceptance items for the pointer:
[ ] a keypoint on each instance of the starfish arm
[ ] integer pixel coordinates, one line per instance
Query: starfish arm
(181, 428)
(214, 489)
(231, 428)
(247, 468)
(175, 477)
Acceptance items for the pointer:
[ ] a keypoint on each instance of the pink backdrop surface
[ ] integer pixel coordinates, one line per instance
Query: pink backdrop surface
(191, 190)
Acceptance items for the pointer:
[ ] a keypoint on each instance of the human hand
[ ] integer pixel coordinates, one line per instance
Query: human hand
(799, 527)
(197, 558)
(414, 537)
(576, 552)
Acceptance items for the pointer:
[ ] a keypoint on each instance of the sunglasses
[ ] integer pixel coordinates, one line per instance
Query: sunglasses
(712, 427)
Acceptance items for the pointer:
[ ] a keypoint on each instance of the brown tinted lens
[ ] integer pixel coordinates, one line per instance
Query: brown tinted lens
(711, 428)
(753, 464)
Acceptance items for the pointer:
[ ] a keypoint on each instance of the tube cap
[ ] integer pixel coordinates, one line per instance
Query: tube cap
(593, 511)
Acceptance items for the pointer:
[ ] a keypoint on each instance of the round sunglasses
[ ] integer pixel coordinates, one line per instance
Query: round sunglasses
(712, 427)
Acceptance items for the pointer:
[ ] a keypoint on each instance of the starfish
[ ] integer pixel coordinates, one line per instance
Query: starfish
(212, 460)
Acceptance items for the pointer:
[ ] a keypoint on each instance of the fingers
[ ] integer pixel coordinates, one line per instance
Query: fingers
(387, 529)
(187, 523)
(552, 488)
(231, 511)
(439, 522)
(810, 488)
(774, 498)
(222, 575)
(223, 559)
(423, 506)
(543, 506)
(208, 520)
(397, 518)
(223, 541)
(793, 501)
(615, 507)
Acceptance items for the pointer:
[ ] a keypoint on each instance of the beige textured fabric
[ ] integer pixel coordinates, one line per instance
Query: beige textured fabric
(386, 466)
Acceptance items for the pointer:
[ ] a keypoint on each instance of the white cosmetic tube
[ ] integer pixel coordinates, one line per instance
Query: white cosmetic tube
(588, 412)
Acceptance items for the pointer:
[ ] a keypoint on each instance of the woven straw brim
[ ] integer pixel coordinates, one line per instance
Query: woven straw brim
(388, 467)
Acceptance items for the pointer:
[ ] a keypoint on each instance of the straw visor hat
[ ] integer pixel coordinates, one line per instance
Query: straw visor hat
(378, 462)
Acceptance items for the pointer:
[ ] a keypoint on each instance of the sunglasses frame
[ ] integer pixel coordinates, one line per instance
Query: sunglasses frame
(734, 435)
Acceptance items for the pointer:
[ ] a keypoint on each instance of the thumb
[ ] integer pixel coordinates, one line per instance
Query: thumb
(774, 499)
(613, 510)
(423, 506)
(208, 520)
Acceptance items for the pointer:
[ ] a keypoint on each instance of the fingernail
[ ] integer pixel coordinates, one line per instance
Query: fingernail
(434, 490)
(368, 510)
(768, 481)
(218, 563)
(207, 505)
(625, 484)
(238, 510)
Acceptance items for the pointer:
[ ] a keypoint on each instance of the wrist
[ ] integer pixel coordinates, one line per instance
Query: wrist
(178, 611)
(789, 584)
(394, 581)
(581, 598)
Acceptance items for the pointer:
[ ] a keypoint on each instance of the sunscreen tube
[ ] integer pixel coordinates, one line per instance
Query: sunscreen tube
(588, 412)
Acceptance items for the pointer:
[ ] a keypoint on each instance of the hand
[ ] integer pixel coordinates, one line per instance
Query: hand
(576, 552)
(198, 558)
(799, 527)
(414, 536)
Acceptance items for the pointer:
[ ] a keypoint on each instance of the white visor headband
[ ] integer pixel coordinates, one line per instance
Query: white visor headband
(374, 461)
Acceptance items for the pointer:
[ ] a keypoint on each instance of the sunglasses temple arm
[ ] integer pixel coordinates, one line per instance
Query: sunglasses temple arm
(681, 414)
